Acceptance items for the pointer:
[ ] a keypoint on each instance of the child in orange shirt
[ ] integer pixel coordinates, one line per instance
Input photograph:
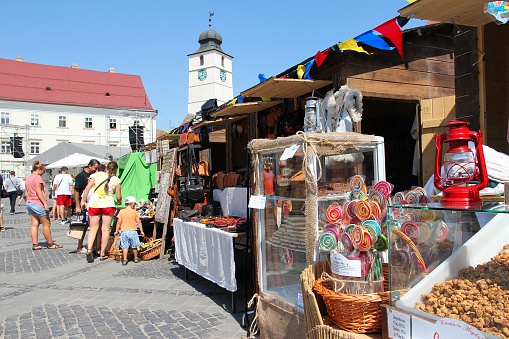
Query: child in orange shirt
(128, 218)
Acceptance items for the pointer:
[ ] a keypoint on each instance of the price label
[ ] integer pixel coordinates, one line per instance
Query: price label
(342, 266)
(257, 202)
(289, 152)
(399, 324)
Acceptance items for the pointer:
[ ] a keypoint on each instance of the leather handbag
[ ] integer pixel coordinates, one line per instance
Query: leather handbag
(220, 179)
(203, 168)
(183, 139)
(4, 193)
(203, 135)
(194, 185)
(232, 179)
(192, 138)
(213, 208)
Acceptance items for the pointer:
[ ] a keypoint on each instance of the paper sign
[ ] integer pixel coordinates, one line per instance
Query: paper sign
(257, 202)
(399, 324)
(289, 152)
(453, 328)
(343, 266)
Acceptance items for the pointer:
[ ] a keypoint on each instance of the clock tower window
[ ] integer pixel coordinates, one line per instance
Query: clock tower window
(202, 62)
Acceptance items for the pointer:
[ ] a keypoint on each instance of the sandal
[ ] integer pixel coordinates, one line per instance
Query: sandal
(137, 260)
(54, 246)
(90, 257)
(37, 247)
(103, 258)
(124, 262)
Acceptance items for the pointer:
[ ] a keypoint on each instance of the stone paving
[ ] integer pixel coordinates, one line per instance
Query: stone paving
(55, 294)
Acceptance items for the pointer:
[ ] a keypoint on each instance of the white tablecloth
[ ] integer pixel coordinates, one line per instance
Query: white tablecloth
(233, 201)
(206, 251)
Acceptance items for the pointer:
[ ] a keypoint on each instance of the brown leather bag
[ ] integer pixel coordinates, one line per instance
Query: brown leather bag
(232, 179)
(193, 138)
(220, 179)
(203, 168)
(183, 139)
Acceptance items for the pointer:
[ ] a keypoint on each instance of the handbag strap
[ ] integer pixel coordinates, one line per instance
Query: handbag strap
(190, 170)
(102, 182)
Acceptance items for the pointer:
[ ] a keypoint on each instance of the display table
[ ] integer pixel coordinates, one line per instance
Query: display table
(233, 201)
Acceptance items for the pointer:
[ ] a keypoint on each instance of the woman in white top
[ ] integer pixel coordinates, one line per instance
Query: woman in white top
(98, 199)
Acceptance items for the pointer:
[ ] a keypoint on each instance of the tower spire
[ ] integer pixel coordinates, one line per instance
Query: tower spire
(211, 14)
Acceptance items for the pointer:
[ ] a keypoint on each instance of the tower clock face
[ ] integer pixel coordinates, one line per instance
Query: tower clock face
(202, 74)
(222, 76)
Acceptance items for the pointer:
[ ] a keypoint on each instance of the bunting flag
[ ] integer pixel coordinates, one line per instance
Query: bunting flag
(351, 45)
(402, 21)
(308, 66)
(335, 48)
(371, 39)
(392, 31)
(300, 71)
(261, 77)
(320, 57)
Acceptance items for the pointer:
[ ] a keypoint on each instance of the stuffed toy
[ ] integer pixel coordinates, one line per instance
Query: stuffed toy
(341, 108)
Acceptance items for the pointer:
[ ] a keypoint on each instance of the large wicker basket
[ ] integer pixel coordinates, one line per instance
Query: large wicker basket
(116, 253)
(153, 251)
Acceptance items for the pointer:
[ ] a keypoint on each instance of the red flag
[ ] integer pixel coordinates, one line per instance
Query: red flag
(392, 31)
(320, 57)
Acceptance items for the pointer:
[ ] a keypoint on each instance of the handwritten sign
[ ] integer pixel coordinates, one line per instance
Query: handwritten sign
(399, 324)
(257, 202)
(343, 266)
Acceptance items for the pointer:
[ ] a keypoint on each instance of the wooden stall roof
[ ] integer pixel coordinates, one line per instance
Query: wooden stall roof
(284, 88)
(462, 12)
(245, 108)
(218, 122)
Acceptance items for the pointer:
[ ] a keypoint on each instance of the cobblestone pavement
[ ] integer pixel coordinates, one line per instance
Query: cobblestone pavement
(55, 294)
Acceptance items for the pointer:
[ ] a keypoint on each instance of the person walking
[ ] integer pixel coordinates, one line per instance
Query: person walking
(37, 207)
(11, 185)
(22, 188)
(101, 206)
(127, 223)
(80, 184)
(62, 185)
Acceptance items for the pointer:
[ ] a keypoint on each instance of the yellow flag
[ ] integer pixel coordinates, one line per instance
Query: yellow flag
(411, 1)
(301, 69)
(351, 45)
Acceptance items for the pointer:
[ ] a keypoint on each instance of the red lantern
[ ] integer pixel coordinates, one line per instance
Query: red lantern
(461, 165)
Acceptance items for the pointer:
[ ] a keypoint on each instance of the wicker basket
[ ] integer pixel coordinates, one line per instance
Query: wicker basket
(358, 313)
(116, 253)
(153, 251)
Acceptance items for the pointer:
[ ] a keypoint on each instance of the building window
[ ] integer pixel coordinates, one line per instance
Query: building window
(4, 118)
(202, 62)
(136, 123)
(222, 61)
(34, 119)
(113, 123)
(62, 121)
(34, 148)
(6, 147)
(88, 122)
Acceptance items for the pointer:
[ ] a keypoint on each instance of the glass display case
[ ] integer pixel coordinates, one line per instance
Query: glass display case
(422, 237)
(299, 177)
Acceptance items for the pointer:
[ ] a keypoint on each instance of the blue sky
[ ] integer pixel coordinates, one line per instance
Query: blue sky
(152, 38)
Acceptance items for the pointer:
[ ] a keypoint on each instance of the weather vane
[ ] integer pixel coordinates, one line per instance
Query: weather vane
(211, 14)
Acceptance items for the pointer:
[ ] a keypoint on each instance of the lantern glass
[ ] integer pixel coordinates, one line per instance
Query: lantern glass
(459, 166)
(310, 115)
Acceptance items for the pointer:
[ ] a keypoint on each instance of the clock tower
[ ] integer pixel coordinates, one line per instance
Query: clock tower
(210, 71)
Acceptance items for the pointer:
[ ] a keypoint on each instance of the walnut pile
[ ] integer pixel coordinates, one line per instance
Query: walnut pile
(480, 296)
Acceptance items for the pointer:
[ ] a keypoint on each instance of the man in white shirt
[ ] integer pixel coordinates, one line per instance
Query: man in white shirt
(62, 185)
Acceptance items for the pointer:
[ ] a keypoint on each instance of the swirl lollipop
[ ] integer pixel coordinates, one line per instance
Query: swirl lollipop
(376, 211)
(440, 231)
(373, 225)
(347, 242)
(327, 241)
(410, 229)
(357, 184)
(399, 197)
(427, 215)
(334, 214)
(377, 197)
(366, 243)
(383, 187)
(363, 210)
(371, 232)
(357, 235)
(421, 191)
(381, 243)
(412, 198)
(350, 208)
(334, 229)
(424, 232)
(349, 228)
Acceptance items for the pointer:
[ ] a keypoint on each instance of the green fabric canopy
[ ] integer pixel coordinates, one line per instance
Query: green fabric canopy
(136, 175)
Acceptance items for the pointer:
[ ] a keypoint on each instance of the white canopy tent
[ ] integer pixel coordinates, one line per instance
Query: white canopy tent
(75, 160)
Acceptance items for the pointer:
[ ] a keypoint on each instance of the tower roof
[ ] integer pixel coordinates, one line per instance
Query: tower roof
(210, 40)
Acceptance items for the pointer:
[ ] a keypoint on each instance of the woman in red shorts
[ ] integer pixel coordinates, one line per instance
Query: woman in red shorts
(98, 199)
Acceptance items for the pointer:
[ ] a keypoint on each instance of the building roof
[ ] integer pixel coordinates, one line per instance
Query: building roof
(30, 82)
(210, 40)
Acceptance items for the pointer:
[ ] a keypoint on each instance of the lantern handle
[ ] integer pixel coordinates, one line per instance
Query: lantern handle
(479, 153)
(437, 180)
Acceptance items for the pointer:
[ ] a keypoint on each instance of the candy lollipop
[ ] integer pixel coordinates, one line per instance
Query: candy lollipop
(366, 243)
(327, 241)
(421, 191)
(347, 242)
(377, 197)
(381, 243)
(440, 231)
(427, 215)
(424, 232)
(399, 197)
(410, 229)
(334, 214)
(376, 211)
(371, 232)
(374, 225)
(349, 228)
(363, 209)
(357, 184)
(334, 229)
(350, 208)
(412, 198)
(357, 236)
(383, 187)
